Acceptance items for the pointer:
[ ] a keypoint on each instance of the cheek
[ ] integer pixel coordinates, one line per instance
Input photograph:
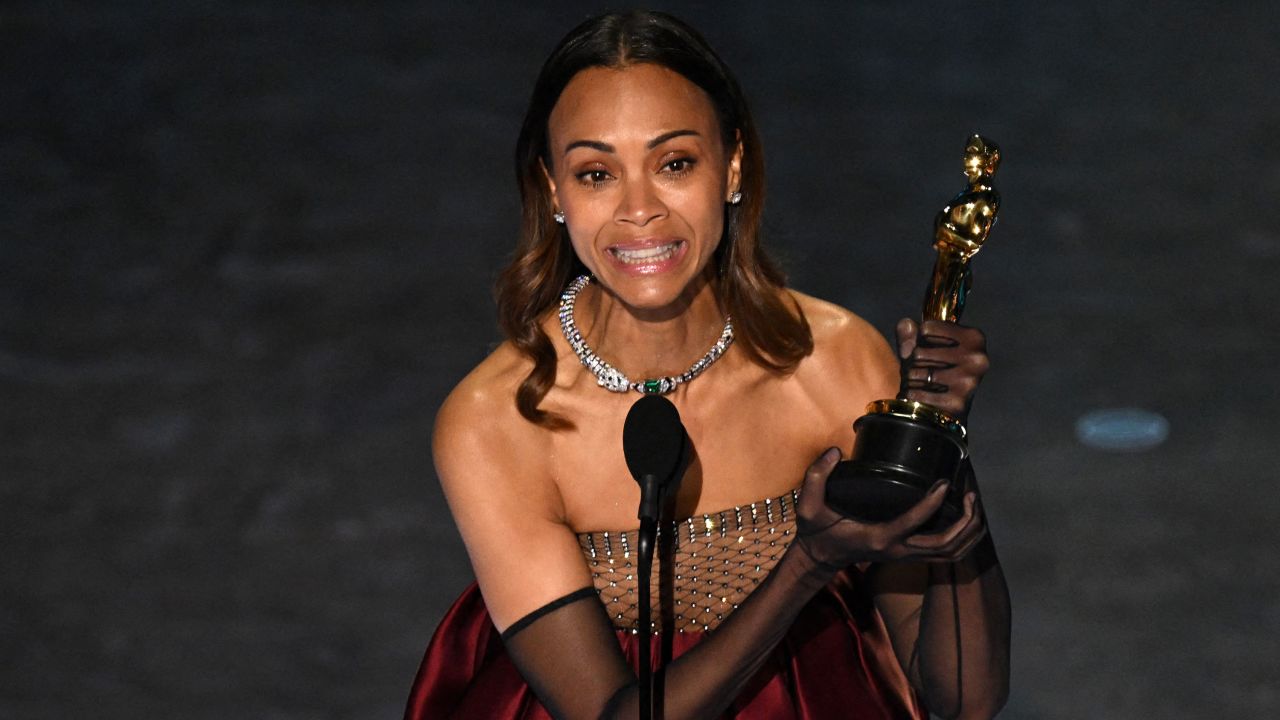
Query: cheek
(710, 221)
(714, 243)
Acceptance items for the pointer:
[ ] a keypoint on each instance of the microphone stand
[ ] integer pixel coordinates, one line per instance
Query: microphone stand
(650, 497)
(656, 448)
(665, 560)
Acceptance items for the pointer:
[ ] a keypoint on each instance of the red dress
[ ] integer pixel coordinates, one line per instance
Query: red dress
(835, 661)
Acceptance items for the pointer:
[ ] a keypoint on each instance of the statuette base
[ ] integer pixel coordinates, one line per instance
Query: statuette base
(897, 459)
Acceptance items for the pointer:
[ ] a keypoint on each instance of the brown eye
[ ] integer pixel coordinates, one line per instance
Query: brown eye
(680, 166)
(592, 177)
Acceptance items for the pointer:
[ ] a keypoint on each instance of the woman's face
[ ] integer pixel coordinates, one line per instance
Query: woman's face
(641, 174)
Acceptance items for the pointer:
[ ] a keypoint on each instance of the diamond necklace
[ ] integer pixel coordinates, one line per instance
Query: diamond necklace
(611, 378)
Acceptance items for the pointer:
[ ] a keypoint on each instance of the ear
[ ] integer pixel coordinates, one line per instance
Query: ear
(551, 185)
(734, 170)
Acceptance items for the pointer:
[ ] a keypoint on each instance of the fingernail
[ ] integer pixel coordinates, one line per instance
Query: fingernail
(832, 454)
(939, 484)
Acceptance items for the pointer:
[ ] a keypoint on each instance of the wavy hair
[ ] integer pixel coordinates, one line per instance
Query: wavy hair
(771, 330)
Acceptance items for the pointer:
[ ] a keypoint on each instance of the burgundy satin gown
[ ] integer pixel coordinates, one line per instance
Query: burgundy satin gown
(835, 662)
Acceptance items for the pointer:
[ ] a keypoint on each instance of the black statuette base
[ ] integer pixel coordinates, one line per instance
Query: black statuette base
(896, 461)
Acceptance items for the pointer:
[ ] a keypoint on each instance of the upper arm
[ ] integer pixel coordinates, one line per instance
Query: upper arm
(493, 468)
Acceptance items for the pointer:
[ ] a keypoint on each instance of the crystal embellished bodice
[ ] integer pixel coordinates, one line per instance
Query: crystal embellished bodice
(719, 559)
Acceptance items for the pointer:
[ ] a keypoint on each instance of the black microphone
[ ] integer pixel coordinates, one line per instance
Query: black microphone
(654, 444)
(653, 441)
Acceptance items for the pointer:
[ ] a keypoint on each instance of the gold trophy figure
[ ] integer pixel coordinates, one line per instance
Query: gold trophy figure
(903, 447)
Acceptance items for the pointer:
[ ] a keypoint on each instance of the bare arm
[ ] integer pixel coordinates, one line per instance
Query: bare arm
(533, 577)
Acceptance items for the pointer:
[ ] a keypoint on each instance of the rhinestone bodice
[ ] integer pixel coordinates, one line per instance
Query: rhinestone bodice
(719, 559)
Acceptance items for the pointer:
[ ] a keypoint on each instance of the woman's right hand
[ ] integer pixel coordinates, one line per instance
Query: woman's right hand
(834, 541)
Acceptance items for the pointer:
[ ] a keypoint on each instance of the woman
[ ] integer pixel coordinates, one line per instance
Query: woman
(641, 177)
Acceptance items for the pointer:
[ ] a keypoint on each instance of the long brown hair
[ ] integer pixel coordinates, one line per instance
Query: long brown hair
(770, 329)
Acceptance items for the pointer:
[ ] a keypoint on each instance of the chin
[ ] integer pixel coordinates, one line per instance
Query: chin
(651, 292)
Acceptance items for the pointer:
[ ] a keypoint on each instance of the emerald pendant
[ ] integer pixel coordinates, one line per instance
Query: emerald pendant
(652, 387)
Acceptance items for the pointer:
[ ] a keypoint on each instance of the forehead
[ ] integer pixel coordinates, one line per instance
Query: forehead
(640, 101)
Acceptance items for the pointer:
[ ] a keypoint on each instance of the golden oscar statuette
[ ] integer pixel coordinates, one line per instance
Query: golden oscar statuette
(903, 447)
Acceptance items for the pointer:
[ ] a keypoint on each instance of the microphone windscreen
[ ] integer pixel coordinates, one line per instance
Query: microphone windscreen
(653, 438)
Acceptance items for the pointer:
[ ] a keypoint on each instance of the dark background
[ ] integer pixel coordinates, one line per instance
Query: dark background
(246, 249)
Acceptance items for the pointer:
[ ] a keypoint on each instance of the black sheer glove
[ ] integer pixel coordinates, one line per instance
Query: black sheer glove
(569, 654)
(834, 541)
(954, 645)
(942, 364)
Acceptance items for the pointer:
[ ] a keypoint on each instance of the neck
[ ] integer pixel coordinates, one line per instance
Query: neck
(650, 342)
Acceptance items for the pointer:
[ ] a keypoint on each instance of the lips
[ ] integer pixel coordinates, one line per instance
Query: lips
(645, 255)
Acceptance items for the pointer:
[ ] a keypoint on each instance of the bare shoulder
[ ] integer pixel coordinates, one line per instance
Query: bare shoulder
(484, 395)
(480, 438)
(831, 322)
(495, 469)
(846, 346)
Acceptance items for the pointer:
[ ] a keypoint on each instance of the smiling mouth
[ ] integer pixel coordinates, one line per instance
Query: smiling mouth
(646, 256)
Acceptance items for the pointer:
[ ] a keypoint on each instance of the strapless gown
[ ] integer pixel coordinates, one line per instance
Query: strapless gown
(835, 661)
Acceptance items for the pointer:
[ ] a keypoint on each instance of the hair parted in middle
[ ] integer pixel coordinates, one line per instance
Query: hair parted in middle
(768, 325)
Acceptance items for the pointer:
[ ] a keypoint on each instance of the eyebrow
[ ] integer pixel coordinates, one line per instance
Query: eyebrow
(606, 147)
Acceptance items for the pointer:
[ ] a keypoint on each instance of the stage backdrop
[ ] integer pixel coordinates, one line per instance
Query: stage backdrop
(247, 248)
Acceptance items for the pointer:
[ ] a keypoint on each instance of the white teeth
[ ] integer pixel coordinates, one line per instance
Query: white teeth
(646, 255)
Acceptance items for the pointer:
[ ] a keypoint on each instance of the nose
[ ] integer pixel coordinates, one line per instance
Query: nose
(639, 204)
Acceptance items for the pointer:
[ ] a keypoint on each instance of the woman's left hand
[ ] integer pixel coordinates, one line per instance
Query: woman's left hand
(943, 365)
